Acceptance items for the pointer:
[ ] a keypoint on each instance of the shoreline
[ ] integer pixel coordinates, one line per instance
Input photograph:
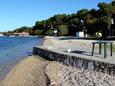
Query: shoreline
(14, 72)
(29, 72)
(16, 50)
(36, 71)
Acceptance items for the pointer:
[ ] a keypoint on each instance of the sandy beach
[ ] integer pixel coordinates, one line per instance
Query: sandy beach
(29, 72)
(36, 71)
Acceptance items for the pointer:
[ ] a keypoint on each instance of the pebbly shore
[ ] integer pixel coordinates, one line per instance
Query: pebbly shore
(70, 76)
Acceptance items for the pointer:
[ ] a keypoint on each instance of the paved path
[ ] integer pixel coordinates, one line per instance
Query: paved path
(81, 48)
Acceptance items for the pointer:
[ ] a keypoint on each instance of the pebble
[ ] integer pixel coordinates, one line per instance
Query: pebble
(78, 77)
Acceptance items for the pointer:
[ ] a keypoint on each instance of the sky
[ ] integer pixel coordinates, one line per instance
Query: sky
(18, 13)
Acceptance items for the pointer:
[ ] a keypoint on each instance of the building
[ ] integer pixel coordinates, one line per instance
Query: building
(81, 34)
(22, 34)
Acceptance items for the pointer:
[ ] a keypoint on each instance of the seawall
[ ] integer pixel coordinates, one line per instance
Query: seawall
(74, 60)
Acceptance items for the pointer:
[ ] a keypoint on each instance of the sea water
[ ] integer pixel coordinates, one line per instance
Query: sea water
(14, 49)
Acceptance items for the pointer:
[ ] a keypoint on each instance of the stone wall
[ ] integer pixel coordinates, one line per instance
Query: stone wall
(75, 61)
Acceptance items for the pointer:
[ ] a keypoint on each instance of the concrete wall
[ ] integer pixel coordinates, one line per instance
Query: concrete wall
(75, 61)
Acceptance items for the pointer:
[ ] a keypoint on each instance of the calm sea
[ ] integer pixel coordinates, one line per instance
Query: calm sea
(14, 49)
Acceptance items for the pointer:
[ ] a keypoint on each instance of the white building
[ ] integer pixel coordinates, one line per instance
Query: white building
(80, 34)
(1, 34)
(24, 34)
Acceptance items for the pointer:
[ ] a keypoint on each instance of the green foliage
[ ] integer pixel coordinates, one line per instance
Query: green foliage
(82, 13)
(105, 9)
(104, 24)
(73, 26)
(91, 26)
(24, 29)
(93, 12)
(63, 30)
(49, 32)
(38, 32)
(102, 5)
(94, 21)
(113, 3)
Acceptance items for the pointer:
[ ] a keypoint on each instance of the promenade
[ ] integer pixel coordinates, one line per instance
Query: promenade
(81, 48)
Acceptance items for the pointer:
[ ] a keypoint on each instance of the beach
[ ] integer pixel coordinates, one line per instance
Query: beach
(15, 49)
(37, 71)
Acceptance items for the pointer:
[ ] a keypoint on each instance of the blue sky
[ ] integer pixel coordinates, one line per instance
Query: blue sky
(17, 13)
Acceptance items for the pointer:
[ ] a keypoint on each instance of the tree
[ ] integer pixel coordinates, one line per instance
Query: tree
(38, 32)
(105, 9)
(63, 30)
(82, 13)
(22, 29)
(73, 26)
(93, 12)
(103, 24)
(91, 26)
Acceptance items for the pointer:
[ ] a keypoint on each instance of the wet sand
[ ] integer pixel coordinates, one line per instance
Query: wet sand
(29, 72)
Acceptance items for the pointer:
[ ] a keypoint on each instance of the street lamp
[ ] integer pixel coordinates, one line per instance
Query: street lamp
(111, 31)
(112, 22)
(83, 27)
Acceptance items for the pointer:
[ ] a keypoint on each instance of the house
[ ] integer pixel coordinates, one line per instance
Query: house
(16, 34)
(24, 34)
(81, 34)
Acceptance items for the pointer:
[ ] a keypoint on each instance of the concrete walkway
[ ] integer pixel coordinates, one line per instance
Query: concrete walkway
(82, 48)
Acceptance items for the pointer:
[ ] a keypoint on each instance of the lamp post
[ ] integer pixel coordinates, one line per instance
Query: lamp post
(83, 27)
(55, 31)
(112, 22)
